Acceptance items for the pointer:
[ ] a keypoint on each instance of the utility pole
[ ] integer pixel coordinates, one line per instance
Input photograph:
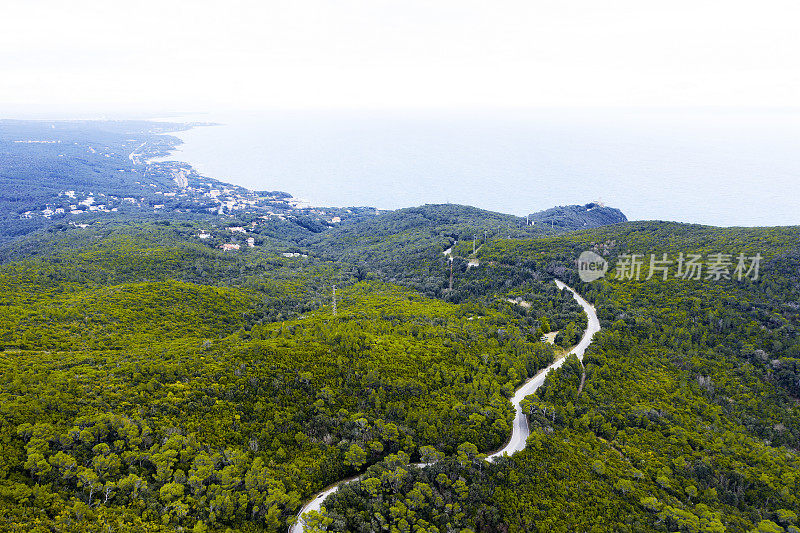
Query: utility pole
(334, 300)
(473, 244)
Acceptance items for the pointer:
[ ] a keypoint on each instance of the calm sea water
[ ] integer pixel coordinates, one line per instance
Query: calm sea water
(721, 167)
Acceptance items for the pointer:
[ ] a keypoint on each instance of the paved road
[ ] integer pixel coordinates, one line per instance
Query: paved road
(520, 432)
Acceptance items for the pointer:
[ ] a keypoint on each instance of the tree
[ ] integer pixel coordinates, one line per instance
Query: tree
(767, 526)
(430, 455)
(355, 456)
(544, 325)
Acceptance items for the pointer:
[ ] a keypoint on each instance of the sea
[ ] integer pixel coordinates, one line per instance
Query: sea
(716, 166)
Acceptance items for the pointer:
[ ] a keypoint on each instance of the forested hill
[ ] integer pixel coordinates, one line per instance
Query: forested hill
(684, 416)
(573, 217)
(153, 381)
(181, 364)
(408, 245)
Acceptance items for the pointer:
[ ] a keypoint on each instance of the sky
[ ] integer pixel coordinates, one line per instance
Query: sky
(198, 55)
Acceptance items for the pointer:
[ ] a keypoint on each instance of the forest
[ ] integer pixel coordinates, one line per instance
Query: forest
(154, 383)
(687, 420)
(151, 381)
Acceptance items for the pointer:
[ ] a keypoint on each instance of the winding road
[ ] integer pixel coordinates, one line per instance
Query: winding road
(520, 431)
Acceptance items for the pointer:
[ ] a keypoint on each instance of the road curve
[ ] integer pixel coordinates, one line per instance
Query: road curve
(520, 431)
(315, 505)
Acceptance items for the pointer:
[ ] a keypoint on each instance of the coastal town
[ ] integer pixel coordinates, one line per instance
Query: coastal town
(150, 182)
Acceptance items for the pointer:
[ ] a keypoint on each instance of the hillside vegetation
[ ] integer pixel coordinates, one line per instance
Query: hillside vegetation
(688, 419)
(152, 383)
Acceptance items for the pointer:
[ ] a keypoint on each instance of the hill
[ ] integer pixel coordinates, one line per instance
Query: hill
(211, 364)
(573, 217)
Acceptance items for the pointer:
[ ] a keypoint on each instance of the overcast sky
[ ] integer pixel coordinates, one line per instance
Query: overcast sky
(203, 55)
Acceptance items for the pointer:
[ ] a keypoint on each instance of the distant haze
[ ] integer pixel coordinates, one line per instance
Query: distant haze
(256, 54)
(711, 166)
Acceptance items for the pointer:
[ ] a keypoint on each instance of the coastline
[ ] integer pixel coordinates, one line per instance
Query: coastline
(510, 165)
(188, 125)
